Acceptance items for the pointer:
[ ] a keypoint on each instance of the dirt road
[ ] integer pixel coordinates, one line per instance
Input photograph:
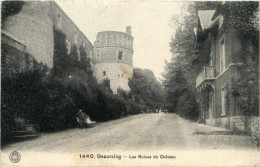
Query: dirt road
(139, 132)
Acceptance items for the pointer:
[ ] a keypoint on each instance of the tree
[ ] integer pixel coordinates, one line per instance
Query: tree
(181, 72)
(145, 89)
(10, 8)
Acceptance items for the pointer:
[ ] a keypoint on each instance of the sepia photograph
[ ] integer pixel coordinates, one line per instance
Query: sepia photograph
(130, 83)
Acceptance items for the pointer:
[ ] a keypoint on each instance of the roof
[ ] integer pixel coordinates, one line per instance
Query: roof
(205, 17)
(116, 32)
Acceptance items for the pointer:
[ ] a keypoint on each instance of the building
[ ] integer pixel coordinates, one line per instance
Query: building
(30, 32)
(221, 43)
(33, 27)
(114, 58)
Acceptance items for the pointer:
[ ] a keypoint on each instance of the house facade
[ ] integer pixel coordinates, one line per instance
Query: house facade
(220, 43)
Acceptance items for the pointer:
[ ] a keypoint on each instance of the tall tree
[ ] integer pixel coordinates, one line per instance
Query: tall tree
(145, 89)
(180, 73)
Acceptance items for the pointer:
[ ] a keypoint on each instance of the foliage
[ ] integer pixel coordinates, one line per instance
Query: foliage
(61, 64)
(66, 64)
(241, 16)
(180, 74)
(51, 100)
(187, 106)
(123, 94)
(145, 89)
(245, 88)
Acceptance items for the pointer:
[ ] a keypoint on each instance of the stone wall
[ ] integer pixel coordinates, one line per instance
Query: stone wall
(73, 34)
(117, 73)
(34, 27)
(110, 55)
(14, 56)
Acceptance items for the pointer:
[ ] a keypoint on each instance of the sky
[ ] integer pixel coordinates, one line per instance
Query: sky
(149, 21)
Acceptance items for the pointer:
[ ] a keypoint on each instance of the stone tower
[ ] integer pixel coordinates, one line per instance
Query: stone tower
(114, 58)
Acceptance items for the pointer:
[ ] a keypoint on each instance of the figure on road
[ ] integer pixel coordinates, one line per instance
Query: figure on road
(82, 119)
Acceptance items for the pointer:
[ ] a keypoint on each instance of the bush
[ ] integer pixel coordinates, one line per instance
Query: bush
(7, 124)
(187, 107)
(51, 100)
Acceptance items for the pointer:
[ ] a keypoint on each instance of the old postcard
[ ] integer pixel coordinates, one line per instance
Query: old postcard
(129, 83)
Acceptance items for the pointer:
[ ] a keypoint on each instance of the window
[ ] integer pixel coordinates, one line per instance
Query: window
(120, 40)
(109, 39)
(103, 41)
(128, 42)
(78, 54)
(222, 55)
(75, 37)
(210, 105)
(59, 22)
(221, 20)
(210, 60)
(90, 54)
(68, 44)
(125, 41)
(98, 55)
(104, 73)
(131, 44)
(120, 55)
(22, 64)
(223, 101)
(115, 39)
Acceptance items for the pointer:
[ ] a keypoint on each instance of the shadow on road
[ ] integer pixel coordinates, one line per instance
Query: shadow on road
(219, 133)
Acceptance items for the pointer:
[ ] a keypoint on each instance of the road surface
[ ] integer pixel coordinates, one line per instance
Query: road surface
(138, 132)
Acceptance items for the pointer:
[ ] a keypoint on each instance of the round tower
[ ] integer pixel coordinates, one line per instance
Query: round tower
(114, 58)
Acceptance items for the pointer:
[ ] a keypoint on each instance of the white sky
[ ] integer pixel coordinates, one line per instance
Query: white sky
(149, 22)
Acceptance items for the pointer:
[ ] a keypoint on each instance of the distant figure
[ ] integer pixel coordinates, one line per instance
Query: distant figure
(82, 119)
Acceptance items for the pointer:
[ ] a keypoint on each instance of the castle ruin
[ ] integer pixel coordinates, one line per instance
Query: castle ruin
(27, 36)
(114, 58)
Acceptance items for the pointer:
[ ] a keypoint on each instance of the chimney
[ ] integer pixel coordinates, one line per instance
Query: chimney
(128, 30)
